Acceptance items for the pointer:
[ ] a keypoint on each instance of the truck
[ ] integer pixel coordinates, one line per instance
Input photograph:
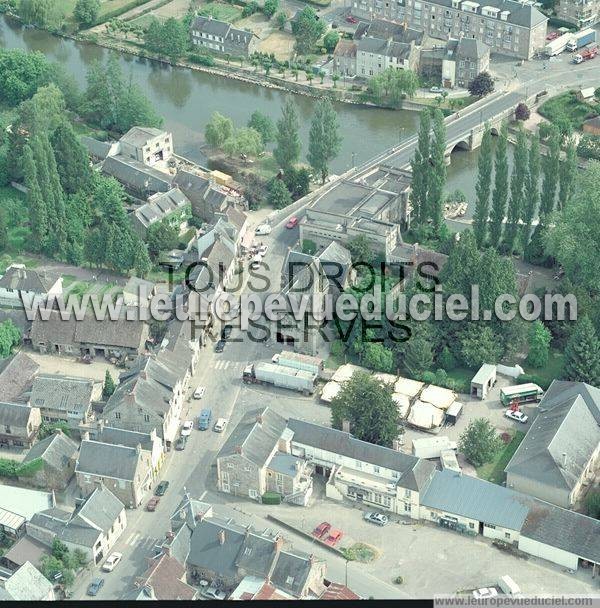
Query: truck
(508, 586)
(585, 54)
(558, 45)
(299, 361)
(520, 393)
(280, 376)
(581, 39)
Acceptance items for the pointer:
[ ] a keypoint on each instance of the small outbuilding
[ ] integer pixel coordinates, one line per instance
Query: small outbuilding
(483, 381)
(441, 397)
(330, 391)
(408, 387)
(453, 413)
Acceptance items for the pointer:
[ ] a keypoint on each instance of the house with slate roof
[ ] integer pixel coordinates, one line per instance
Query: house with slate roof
(560, 454)
(19, 425)
(58, 454)
(16, 377)
(94, 527)
(28, 584)
(125, 471)
(19, 283)
(205, 197)
(166, 577)
(222, 38)
(172, 206)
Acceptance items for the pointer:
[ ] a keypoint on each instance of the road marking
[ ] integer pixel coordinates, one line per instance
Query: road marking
(133, 539)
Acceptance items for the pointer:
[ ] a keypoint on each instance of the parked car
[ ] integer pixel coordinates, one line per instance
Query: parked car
(263, 229)
(152, 503)
(111, 561)
(220, 346)
(351, 19)
(334, 537)
(292, 223)
(484, 592)
(220, 425)
(204, 419)
(95, 586)
(517, 415)
(552, 36)
(256, 262)
(226, 332)
(188, 425)
(275, 358)
(213, 593)
(199, 392)
(436, 90)
(322, 529)
(262, 250)
(376, 518)
(161, 488)
(180, 443)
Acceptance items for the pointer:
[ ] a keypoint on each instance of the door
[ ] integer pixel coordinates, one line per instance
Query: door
(225, 482)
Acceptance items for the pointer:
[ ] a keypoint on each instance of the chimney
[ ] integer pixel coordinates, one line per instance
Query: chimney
(312, 559)
(278, 543)
(396, 445)
(138, 449)
(346, 426)
(238, 449)
(144, 374)
(259, 419)
(564, 459)
(85, 436)
(100, 425)
(221, 537)
(169, 535)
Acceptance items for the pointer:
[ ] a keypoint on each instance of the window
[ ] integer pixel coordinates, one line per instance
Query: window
(407, 494)
(252, 493)
(375, 469)
(289, 580)
(146, 417)
(471, 525)
(118, 415)
(246, 468)
(507, 535)
(247, 550)
(8, 431)
(230, 465)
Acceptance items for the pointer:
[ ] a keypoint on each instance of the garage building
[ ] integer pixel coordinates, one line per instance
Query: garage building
(483, 381)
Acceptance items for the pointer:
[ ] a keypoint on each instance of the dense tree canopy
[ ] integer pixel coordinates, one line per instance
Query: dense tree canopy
(480, 442)
(307, 29)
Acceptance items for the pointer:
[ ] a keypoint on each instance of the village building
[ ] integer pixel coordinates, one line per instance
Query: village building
(16, 377)
(19, 505)
(581, 13)
(222, 38)
(27, 584)
(19, 284)
(19, 425)
(172, 206)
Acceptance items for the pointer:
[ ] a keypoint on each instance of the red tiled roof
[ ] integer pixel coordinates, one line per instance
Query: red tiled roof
(335, 591)
(164, 576)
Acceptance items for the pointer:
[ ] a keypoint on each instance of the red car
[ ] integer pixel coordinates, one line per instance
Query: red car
(152, 503)
(321, 530)
(552, 35)
(293, 222)
(334, 537)
(351, 19)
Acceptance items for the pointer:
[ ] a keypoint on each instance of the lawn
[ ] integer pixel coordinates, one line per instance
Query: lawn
(221, 11)
(567, 106)
(552, 371)
(494, 471)
(144, 21)
(107, 6)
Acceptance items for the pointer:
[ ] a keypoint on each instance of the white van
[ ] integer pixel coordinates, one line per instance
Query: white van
(256, 262)
(220, 425)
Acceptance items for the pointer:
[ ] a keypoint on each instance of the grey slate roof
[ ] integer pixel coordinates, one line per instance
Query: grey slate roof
(471, 49)
(64, 393)
(123, 437)
(107, 460)
(222, 29)
(136, 175)
(26, 279)
(256, 435)
(414, 472)
(520, 14)
(28, 584)
(381, 28)
(14, 414)
(97, 149)
(161, 206)
(138, 136)
(257, 554)
(562, 438)
(291, 571)
(188, 512)
(454, 493)
(284, 463)
(16, 376)
(56, 450)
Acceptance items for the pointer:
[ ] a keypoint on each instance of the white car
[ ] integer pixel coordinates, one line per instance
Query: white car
(263, 229)
(188, 425)
(484, 592)
(213, 593)
(518, 415)
(275, 358)
(220, 425)
(436, 90)
(256, 262)
(376, 518)
(199, 392)
(111, 561)
(262, 250)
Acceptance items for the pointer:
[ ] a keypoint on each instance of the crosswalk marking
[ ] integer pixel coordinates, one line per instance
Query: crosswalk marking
(135, 538)
(223, 364)
(132, 539)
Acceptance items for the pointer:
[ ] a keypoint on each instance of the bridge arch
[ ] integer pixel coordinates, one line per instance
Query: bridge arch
(494, 131)
(461, 145)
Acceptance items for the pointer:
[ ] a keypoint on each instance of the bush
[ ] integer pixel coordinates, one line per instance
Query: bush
(522, 112)
(271, 498)
(398, 580)
(539, 380)
(250, 9)
(589, 147)
(207, 60)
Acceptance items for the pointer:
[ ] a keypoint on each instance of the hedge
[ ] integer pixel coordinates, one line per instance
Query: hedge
(527, 378)
(555, 22)
(119, 11)
(200, 59)
(271, 498)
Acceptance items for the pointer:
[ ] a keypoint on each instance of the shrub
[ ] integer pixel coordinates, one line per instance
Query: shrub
(271, 498)
(539, 380)
(399, 580)
(207, 60)
(589, 147)
(522, 112)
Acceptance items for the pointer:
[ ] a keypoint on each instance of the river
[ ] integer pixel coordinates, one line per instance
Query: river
(187, 98)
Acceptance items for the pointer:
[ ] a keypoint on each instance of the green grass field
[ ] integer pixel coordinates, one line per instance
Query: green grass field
(145, 20)
(494, 471)
(221, 11)
(567, 106)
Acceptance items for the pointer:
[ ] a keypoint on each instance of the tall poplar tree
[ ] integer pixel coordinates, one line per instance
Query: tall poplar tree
(287, 150)
(437, 179)
(500, 194)
(567, 172)
(531, 197)
(550, 169)
(517, 183)
(420, 170)
(483, 189)
(57, 223)
(38, 215)
(324, 138)
(582, 354)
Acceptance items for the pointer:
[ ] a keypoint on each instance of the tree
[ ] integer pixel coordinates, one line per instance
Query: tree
(421, 169)
(550, 169)
(376, 356)
(86, 11)
(393, 85)
(161, 236)
(250, 8)
(324, 140)
(437, 179)
(38, 212)
(330, 40)
(517, 183)
(582, 354)
(481, 85)
(500, 193)
(3, 231)
(360, 250)
(21, 74)
(218, 130)
(38, 12)
(109, 386)
(74, 167)
(531, 196)
(279, 196)
(307, 29)
(10, 336)
(264, 125)
(175, 36)
(482, 189)
(270, 8)
(592, 504)
(244, 141)
(522, 112)
(418, 356)
(367, 404)
(567, 173)
(539, 344)
(281, 19)
(287, 150)
(297, 181)
(480, 442)
(479, 345)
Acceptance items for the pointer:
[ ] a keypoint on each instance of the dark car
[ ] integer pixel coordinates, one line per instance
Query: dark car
(220, 346)
(161, 488)
(95, 586)
(180, 445)
(227, 329)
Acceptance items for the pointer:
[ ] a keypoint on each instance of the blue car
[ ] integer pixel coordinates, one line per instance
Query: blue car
(204, 420)
(95, 586)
